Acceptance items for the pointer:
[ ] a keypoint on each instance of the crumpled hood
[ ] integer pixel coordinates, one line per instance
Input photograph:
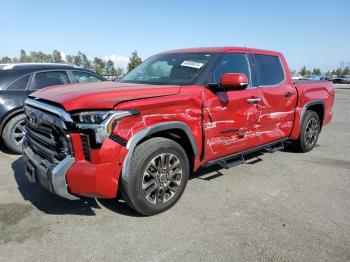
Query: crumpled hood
(101, 95)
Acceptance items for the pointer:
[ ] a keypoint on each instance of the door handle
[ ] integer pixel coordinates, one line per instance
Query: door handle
(253, 100)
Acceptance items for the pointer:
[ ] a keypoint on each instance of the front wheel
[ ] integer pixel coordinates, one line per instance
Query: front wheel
(13, 133)
(158, 176)
(310, 130)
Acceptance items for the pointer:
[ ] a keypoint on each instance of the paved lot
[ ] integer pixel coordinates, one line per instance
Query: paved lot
(284, 207)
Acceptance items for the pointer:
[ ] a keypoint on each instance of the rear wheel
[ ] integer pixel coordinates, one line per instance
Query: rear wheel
(310, 130)
(13, 133)
(158, 176)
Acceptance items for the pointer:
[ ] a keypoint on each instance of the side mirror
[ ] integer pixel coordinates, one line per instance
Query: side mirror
(233, 81)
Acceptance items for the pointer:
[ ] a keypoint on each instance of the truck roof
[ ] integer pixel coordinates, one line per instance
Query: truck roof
(222, 49)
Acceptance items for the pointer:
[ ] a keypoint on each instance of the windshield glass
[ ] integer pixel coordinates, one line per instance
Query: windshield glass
(164, 69)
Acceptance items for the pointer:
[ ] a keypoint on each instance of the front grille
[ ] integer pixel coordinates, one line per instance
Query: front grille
(46, 137)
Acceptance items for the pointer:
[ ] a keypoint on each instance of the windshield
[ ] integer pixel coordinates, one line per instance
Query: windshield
(164, 69)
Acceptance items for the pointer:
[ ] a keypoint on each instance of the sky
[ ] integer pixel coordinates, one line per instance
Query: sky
(310, 33)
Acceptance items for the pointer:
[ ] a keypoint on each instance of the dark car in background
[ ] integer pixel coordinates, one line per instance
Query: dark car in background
(17, 81)
(342, 79)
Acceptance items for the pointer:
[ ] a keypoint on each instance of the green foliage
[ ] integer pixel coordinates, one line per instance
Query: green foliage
(119, 71)
(57, 58)
(134, 61)
(316, 71)
(304, 71)
(346, 71)
(5, 60)
(98, 65)
(338, 72)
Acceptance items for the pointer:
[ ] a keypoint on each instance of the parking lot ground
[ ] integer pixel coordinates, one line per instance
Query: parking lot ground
(283, 206)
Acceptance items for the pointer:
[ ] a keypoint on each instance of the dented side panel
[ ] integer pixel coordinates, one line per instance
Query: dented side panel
(229, 122)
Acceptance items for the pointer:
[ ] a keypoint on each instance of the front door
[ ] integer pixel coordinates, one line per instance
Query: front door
(229, 117)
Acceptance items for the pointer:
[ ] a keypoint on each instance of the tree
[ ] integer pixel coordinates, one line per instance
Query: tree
(69, 59)
(56, 55)
(110, 70)
(40, 57)
(134, 61)
(77, 60)
(304, 71)
(316, 71)
(346, 71)
(24, 58)
(99, 65)
(85, 63)
(5, 60)
(338, 71)
(119, 71)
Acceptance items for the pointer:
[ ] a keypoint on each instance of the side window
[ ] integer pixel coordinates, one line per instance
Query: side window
(269, 69)
(52, 78)
(233, 63)
(83, 77)
(20, 84)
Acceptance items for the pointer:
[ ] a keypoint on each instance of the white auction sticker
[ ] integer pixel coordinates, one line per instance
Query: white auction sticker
(192, 64)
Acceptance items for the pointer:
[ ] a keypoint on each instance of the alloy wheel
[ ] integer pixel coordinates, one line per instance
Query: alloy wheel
(311, 132)
(162, 178)
(19, 132)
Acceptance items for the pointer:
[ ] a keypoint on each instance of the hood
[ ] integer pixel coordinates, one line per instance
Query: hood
(101, 95)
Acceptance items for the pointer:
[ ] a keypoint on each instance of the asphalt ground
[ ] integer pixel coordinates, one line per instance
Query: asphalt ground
(283, 206)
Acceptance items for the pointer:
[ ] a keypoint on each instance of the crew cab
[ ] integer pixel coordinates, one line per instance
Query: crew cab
(176, 112)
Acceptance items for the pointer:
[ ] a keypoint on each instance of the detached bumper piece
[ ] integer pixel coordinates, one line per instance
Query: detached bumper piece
(51, 176)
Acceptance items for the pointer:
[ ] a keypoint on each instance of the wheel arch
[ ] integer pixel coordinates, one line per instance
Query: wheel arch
(175, 130)
(316, 106)
(9, 116)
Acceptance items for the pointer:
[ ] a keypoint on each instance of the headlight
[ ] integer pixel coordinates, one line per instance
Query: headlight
(98, 117)
(100, 122)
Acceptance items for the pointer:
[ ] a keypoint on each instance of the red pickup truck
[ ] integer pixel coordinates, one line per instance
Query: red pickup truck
(176, 112)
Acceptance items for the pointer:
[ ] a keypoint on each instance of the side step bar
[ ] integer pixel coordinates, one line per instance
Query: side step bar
(274, 148)
(232, 162)
(238, 158)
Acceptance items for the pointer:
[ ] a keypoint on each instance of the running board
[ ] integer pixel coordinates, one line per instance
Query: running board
(238, 158)
(274, 148)
(232, 162)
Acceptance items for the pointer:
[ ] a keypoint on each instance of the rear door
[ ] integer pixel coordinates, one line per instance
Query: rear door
(278, 98)
(14, 93)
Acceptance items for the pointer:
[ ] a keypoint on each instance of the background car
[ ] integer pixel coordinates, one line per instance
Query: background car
(342, 79)
(17, 81)
(311, 78)
(297, 76)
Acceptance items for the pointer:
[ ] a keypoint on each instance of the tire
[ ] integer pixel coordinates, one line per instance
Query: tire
(13, 134)
(310, 130)
(157, 189)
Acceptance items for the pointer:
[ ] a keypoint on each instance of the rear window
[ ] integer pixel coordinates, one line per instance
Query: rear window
(20, 84)
(7, 77)
(269, 70)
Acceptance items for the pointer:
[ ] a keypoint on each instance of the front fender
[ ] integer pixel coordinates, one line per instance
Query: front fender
(148, 131)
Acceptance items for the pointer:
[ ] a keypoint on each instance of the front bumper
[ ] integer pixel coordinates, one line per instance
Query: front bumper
(63, 161)
(53, 178)
(75, 176)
